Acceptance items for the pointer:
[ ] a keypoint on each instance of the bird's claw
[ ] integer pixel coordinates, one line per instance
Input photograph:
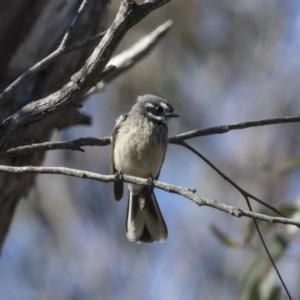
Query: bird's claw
(150, 182)
(119, 176)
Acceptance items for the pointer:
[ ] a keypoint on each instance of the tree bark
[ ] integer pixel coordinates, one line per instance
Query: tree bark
(30, 30)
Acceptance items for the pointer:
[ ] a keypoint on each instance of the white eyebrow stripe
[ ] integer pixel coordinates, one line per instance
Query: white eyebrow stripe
(164, 105)
(149, 105)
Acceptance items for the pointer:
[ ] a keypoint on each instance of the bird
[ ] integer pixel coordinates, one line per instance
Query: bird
(138, 146)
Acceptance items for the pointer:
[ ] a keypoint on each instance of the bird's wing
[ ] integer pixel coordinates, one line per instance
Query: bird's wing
(118, 185)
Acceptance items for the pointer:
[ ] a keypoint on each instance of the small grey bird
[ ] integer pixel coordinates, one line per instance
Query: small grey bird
(139, 143)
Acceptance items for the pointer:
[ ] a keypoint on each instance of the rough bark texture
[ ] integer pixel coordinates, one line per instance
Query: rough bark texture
(30, 30)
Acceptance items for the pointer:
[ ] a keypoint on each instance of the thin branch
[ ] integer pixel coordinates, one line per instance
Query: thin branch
(246, 195)
(128, 58)
(85, 43)
(132, 55)
(235, 126)
(90, 74)
(242, 191)
(91, 141)
(67, 35)
(187, 193)
(70, 145)
(267, 250)
(122, 62)
(177, 139)
(45, 62)
(9, 91)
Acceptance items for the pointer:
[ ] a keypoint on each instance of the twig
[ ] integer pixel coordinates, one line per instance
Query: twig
(235, 126)
(67, 35)
(242, 191)
(187, 193)
(128, 58)
(177, 140)
(90, 141)
(246, 195)
(8, 92)
(85, 43)
(70, 145)
(90, 74)
(48, 60)
(267, 250)
(132, 55)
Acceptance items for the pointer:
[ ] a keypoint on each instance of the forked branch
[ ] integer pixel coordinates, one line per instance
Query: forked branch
(187, 193)
(90, 74)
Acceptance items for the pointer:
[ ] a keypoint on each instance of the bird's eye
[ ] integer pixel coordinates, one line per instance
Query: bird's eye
(159, 110)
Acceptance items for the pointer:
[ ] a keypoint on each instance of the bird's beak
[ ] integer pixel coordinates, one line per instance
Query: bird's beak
(172, 115)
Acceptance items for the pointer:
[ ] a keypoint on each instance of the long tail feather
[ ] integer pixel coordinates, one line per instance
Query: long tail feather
(145, 222)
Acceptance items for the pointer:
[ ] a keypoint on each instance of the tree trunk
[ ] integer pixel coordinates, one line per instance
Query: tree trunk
(30, 30)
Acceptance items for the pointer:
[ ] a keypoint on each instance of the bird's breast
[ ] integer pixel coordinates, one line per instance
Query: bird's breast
(140, 148)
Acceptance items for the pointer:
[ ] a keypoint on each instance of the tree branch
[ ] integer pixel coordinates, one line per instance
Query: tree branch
(267, 250)
(246, 195)
(132, 55)
(67, 35)
(235, 126)
(123, 61)
(187, 193)
(177, 139)
(242, 191)
(128, 15)
(85, 43)
(70, 145)
(45, 62)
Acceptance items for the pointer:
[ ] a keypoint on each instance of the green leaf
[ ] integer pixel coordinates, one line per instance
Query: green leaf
(223, 238)
(252, 283)
(284, 166)
(275, 293)
(289, 210)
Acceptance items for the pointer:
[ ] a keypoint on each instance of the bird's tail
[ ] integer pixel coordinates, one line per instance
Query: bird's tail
(145, 222)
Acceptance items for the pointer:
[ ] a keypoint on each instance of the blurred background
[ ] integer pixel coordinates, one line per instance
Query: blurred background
(223, 61)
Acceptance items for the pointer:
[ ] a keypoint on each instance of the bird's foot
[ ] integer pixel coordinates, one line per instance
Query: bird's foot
(150, 184)
(119, 176)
